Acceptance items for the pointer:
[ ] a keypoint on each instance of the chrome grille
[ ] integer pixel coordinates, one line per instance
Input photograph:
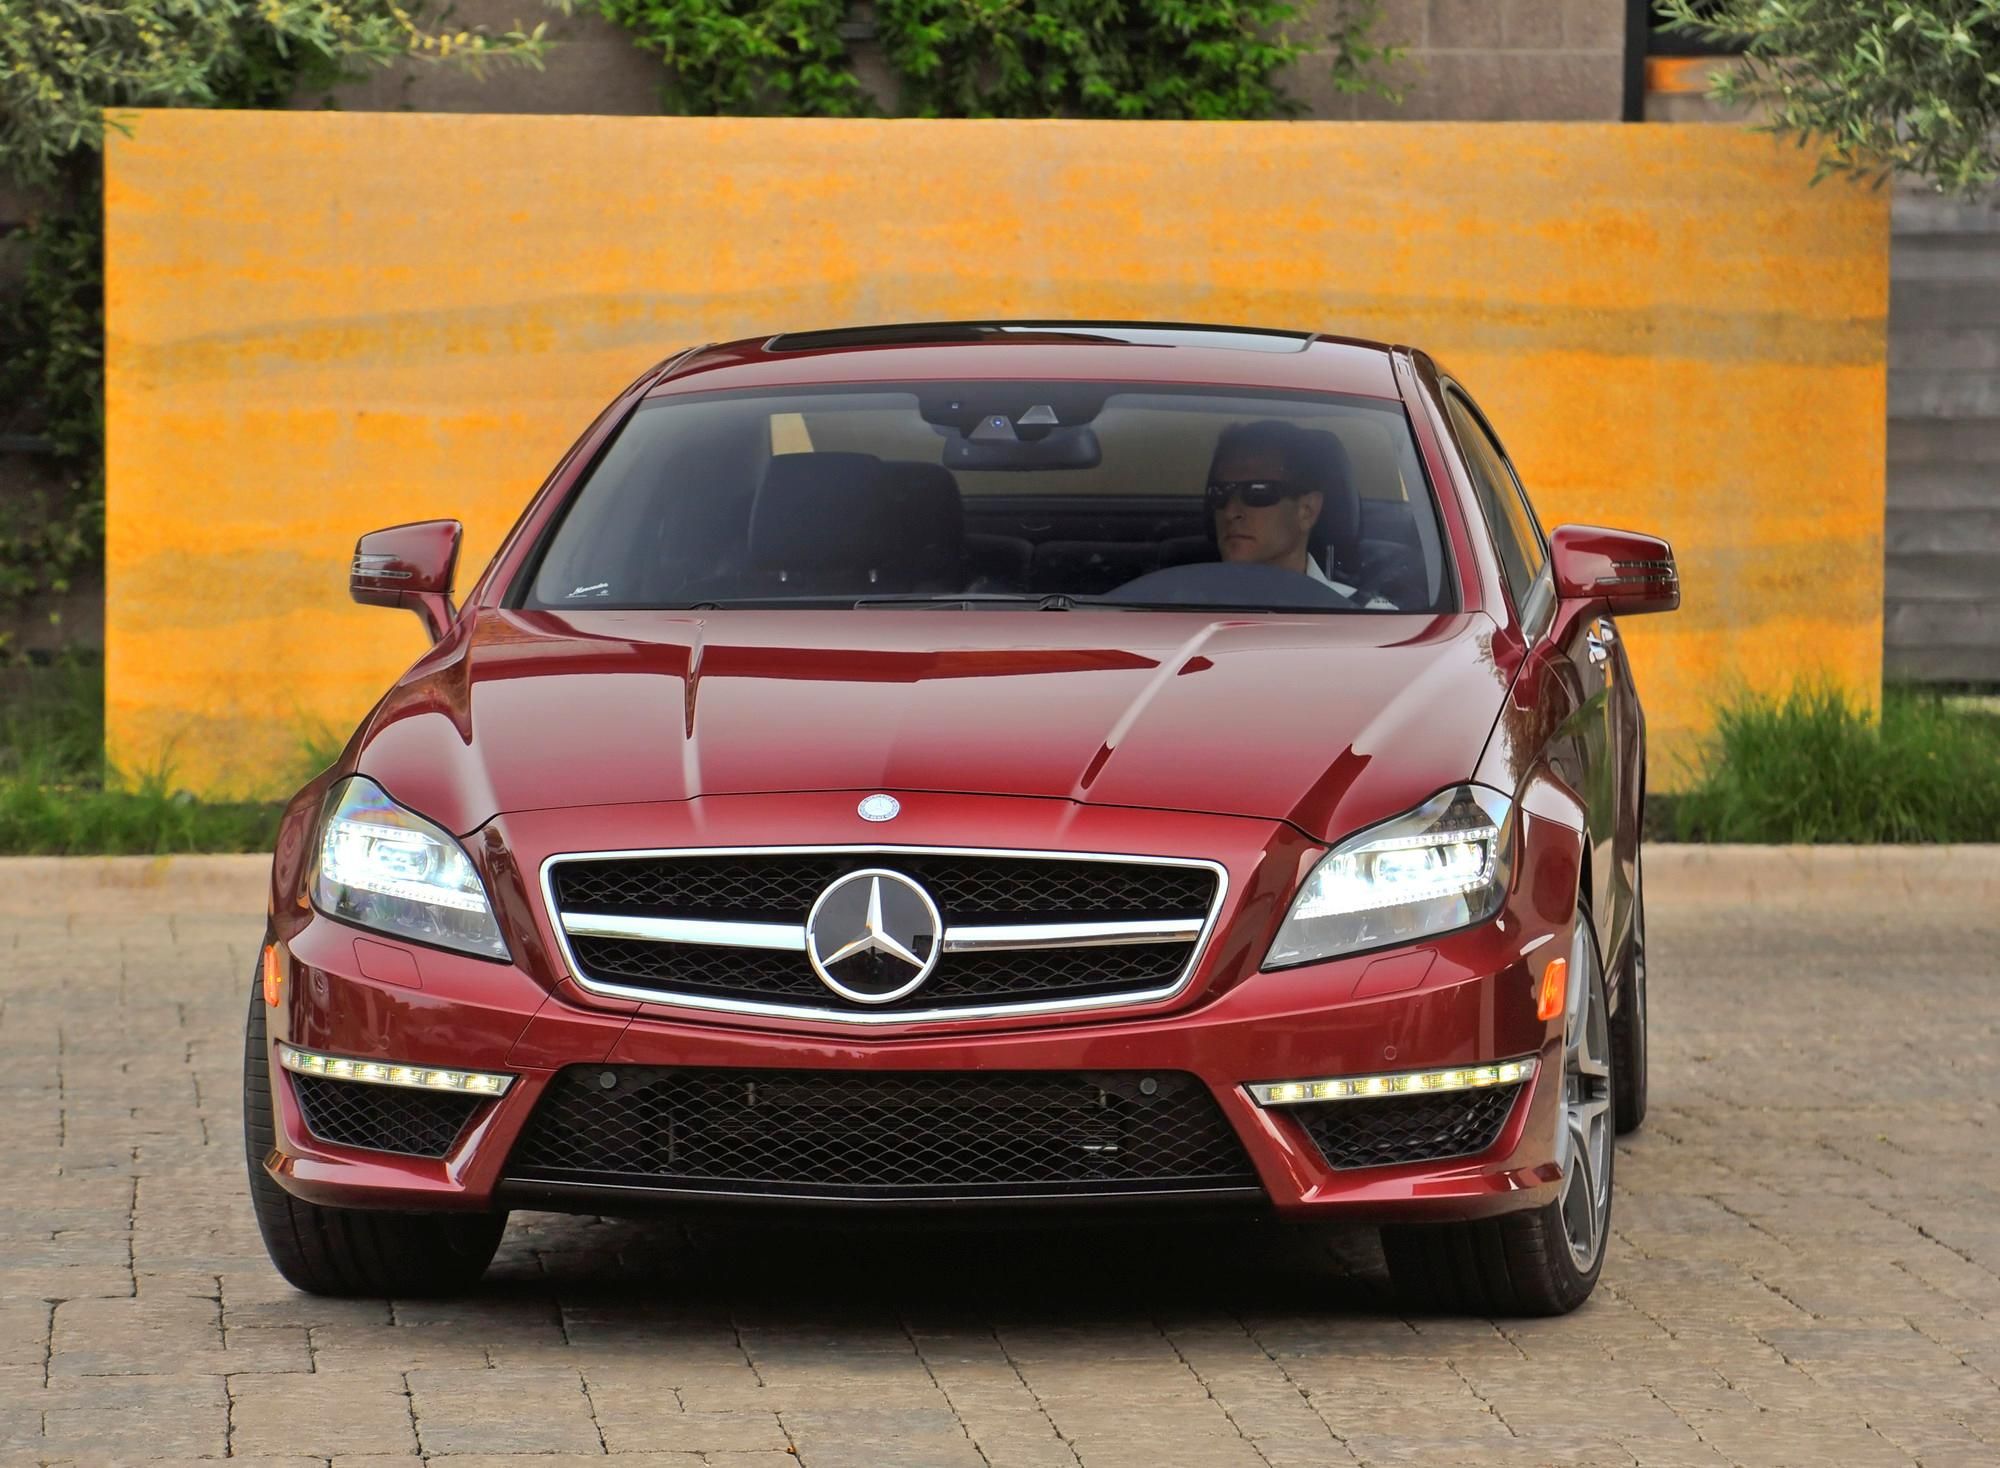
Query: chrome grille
(1023, 932)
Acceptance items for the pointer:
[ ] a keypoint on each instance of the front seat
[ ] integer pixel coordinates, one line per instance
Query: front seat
(1336, 536)
(925, 527)
(817, 526)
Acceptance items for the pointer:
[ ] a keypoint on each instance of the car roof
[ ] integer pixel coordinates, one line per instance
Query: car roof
(1109, 351)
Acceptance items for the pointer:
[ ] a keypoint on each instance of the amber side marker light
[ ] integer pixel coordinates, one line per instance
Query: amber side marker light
(274, 975)
(1555, 989)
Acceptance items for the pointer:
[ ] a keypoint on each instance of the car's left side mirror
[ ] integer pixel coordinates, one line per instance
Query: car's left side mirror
(409, 566)
(1623, 569)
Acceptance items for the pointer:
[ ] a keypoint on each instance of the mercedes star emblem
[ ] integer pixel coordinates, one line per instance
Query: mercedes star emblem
(874, 936)
(880, 808)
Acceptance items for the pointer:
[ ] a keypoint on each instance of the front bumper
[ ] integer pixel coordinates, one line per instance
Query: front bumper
(1463, 999)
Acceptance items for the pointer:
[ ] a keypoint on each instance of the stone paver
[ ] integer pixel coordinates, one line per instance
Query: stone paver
(1806, 1264)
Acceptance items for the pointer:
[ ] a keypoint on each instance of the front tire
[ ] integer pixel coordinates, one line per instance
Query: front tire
(351, 1251)
(1544, 1261)
(1628, 1026)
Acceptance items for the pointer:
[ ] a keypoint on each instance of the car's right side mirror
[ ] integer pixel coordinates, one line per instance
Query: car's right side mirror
(409, 566)
(1623, 569)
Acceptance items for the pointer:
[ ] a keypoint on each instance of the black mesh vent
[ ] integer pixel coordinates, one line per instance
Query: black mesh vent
(1381, 1132)
(383, 1118)
(875, 1134)
(759, 974)
(967, 889)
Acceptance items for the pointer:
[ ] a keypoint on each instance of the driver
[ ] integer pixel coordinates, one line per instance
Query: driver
(1265, 495)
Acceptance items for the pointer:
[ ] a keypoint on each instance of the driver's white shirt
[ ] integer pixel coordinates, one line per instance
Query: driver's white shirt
(1373, 603)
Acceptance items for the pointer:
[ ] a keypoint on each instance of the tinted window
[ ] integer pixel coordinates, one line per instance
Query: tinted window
(1516, 536)
(1003, 493)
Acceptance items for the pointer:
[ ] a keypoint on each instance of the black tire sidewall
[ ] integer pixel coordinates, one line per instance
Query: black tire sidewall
(1629, 1039)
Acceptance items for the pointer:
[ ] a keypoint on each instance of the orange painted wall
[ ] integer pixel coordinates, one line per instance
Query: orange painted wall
(323, 322)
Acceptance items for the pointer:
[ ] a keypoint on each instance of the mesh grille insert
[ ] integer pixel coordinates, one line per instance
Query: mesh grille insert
(383, 1118)
(1384, 1131)
(969, 889)
(908, 1135)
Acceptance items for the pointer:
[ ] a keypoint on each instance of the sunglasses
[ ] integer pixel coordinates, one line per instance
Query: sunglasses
(1259, 494)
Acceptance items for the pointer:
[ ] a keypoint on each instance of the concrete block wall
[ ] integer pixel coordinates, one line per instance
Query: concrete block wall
(1942, 538)
(1553, 60)
(1468, 59)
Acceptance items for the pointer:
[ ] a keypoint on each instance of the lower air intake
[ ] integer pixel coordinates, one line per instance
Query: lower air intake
(1384, 1131)
(383, 1118)
(881, 1135)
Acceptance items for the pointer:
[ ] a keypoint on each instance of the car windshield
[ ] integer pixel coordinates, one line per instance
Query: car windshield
(991, 495)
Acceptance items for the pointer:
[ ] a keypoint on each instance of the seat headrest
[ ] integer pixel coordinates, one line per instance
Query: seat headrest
(1339, 524)
(925, 517)
(818, 510)
(1372, 455)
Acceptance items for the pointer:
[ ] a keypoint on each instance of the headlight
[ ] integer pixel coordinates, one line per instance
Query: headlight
(381, 867)
(1444, 865)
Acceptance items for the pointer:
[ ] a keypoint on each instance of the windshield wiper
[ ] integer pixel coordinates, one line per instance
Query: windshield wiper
(1041, 601)
(1046, 601)
(1062, 601)
(1196, 606)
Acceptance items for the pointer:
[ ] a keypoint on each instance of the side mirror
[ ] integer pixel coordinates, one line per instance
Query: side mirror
(1625, 570)
(409, 566)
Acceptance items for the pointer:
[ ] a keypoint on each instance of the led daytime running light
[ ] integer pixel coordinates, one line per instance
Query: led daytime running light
(387, 1073)
(1406, 1083)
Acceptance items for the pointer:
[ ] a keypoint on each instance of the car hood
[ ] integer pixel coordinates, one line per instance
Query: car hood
(1328, 721)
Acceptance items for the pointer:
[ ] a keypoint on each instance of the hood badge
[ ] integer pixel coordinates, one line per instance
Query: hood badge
(874, 936)
(880, 808)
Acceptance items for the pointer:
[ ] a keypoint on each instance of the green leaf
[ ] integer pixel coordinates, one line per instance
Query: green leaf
(1872, 86)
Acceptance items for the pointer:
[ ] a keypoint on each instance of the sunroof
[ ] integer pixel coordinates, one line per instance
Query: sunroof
(1103, 333)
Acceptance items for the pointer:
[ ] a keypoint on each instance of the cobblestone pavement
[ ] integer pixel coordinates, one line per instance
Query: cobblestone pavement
(1806, 1268)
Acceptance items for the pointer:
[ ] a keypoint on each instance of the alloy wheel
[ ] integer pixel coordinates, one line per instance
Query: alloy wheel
(1584, 1141)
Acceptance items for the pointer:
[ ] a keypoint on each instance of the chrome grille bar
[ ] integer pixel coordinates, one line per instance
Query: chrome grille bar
(788, 938)
(577, 926)
(781, 937)
(1007, 937)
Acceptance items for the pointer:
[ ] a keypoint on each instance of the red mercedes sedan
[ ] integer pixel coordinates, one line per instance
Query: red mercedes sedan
(991, 764)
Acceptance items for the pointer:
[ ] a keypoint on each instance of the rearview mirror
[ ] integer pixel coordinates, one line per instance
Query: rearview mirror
(409, 566)
(1625, 570)
(1039, 448)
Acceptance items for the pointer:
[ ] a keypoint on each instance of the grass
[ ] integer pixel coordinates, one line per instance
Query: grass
(58, 796)
(1816, 768)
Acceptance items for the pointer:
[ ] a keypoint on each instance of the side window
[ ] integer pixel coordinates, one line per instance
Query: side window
(1516, 536)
